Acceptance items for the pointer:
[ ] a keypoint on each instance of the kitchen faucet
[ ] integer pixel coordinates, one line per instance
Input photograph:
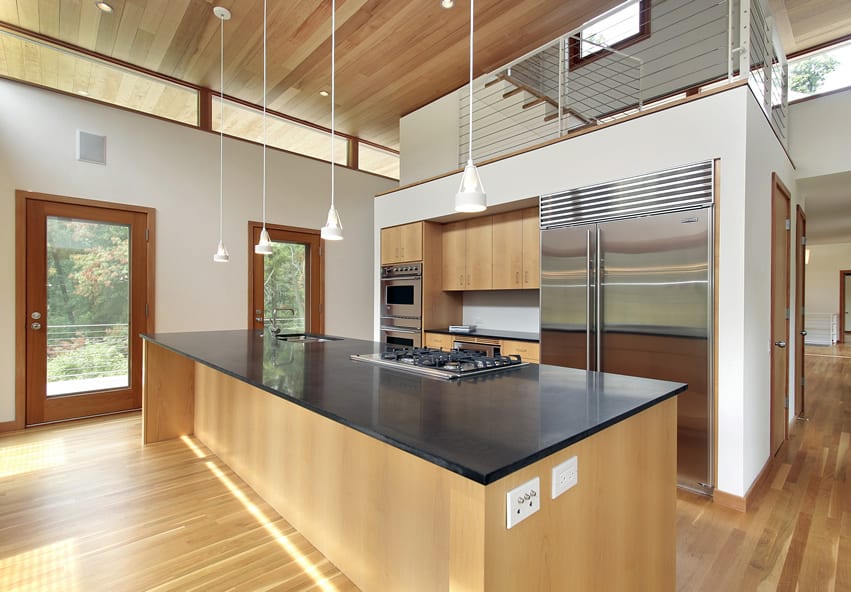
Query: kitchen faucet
(275, 328)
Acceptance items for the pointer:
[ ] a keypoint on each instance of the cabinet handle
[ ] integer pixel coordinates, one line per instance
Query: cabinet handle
(461, 280)
(517, 277)
(526, 277)
(468, 279)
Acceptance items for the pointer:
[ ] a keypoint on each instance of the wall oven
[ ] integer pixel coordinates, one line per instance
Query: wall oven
(401, 304)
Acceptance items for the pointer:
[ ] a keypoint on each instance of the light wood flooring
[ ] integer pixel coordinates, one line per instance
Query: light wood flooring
(84, 507)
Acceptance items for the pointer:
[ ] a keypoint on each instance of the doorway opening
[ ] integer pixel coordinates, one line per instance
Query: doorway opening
(844, 305)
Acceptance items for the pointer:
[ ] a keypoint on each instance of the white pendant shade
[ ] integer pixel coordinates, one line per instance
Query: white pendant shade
(333, 229)
(264, 245)
(222, 255)
(471, 195)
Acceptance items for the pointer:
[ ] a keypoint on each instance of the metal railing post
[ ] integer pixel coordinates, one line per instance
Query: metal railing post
(744, 38)
(563, 65)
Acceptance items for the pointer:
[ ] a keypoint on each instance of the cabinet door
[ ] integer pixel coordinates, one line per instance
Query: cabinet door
(479, 253)
(439, 340)
(528, 351)
(411, 242)
(508, 255)
(531, 249)
(454, 255)
(390, 249)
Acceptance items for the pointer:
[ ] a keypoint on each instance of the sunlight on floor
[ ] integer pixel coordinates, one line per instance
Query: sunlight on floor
(51, 567)
(23, 458)
(308, 567)
(193, 446)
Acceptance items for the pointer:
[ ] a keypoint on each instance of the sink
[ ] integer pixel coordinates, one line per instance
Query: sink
(304, 337)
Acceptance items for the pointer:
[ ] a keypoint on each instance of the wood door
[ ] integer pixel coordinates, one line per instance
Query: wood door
(780, 224)
(87, 300)
(286, 288)
(800, 318)
(479, 253)
(531, 249)
(844, 306)
(508, 250)
(454, 256)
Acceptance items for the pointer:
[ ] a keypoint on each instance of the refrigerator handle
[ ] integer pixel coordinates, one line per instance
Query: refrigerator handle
(588, 299)
(598, 280)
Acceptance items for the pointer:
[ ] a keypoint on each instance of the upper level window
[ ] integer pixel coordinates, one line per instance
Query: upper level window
(622, 27)
(820, 72)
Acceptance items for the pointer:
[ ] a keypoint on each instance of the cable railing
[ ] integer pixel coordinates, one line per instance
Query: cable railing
(87, 357)
(597, 74)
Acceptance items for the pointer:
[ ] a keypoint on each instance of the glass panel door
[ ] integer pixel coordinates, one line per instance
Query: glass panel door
(88, 306)
(86, 301)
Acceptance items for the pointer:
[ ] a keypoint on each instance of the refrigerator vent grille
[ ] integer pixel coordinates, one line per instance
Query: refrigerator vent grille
(682, 188)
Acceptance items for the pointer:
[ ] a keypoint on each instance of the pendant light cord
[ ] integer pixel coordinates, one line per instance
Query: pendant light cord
(470, 137)
(333, 88)
(264, 114)
(221, 128)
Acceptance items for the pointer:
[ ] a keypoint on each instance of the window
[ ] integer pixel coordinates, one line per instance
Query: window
(378, 161)
(624, 26)
(820, 72)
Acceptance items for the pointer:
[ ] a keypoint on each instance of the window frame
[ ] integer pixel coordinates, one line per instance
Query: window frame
(575, 58)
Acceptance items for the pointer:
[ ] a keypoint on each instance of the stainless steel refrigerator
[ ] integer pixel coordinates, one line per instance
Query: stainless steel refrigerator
(626, 287)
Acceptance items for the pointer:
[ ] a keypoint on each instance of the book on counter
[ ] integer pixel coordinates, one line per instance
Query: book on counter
(462, 328)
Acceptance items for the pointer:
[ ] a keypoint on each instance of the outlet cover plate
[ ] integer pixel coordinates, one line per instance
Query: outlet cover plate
(565, 476)
(523, 501)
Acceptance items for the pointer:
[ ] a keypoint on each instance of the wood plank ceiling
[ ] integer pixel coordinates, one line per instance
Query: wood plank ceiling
(393, 56)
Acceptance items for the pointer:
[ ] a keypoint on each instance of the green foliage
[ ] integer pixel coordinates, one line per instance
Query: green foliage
(89, 360)
(808, 75)
(285, 278)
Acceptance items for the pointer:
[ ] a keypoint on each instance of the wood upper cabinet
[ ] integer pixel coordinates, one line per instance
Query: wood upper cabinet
(508, 251)
(531, 248)
(400, 244)
(467, 257)
(455, 256)
(479, 253)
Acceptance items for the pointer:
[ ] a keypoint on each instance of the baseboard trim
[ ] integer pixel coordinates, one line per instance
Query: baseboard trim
(739, 503)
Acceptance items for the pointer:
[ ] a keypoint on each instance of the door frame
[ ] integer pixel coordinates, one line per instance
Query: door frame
(21, 198)
(777, 186)
(316, 323)
(800, 310)
(843, 273)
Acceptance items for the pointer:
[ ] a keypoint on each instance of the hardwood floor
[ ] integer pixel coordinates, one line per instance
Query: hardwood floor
(84, 507)
(797, 532)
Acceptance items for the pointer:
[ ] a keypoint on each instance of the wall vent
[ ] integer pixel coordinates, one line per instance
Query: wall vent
(683, 188)
(91, 147)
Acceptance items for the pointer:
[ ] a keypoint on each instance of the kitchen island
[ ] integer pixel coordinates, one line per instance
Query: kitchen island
(401, 480)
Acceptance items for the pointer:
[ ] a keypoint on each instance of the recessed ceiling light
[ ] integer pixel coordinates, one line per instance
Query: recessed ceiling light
(447, 3)
(324, 93)
(104, 6)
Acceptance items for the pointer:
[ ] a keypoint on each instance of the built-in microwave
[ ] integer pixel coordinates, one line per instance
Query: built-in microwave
(401, 290)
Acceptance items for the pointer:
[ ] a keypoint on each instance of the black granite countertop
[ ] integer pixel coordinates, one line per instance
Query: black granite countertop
(492, 333)
(482, 427)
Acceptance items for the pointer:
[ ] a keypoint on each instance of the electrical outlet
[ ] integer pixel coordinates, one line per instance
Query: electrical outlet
(565, 476)
(521, 502)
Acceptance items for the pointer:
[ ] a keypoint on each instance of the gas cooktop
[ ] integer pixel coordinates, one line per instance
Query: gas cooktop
(439, 363)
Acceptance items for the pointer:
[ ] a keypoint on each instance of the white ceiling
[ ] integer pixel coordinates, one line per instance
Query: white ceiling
(827, 202)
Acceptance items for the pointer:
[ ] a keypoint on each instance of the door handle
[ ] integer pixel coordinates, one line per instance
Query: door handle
(780, 343)
(803, 332)
(36, 326)
(36, 316)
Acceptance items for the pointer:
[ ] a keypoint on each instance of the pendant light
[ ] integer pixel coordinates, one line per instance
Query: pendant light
(223, 14)
(264, 245)
(333, 229)
(471, 195)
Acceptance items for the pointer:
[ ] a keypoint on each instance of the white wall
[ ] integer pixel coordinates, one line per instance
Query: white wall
(720, 126)
(764, 156)
(174, 169)
(506, 310)
(822, 280)
(819, 132)
(428, 140)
